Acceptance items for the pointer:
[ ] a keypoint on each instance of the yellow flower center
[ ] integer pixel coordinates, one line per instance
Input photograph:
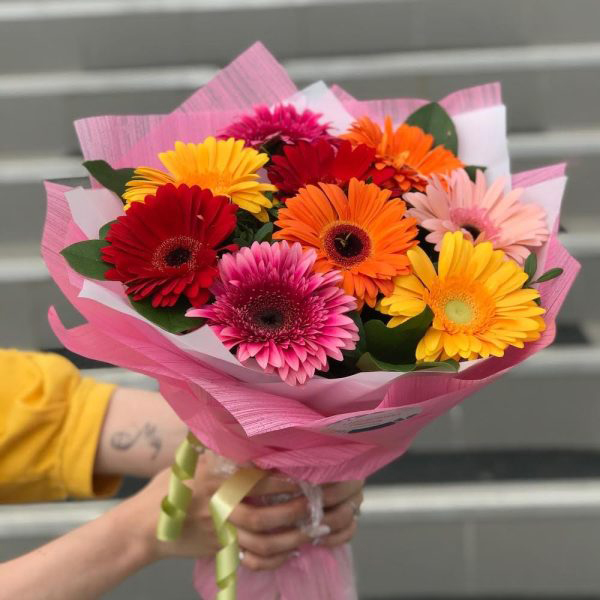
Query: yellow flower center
(461, 305)
(459, 311)
(219, 183)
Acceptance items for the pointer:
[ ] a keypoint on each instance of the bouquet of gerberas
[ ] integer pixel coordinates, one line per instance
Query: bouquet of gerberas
(312, 279)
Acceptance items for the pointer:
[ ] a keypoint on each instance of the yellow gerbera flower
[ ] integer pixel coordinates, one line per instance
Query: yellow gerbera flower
(477, 298)
(225, 167)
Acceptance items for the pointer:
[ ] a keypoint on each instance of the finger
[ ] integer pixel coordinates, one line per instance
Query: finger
(336, 493)
(260, 563)
(275, 484)
(259, 519)
(340, 537)
(343, 514)
(272, 544)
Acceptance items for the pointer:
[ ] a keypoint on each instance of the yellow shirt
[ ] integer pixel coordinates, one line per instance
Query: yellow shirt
(50, 423)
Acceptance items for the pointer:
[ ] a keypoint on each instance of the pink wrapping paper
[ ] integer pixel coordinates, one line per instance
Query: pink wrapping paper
(311, 433)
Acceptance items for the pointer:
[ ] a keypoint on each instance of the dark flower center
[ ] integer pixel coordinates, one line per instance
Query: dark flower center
(274, 311)
(271, 318)
(347, 244)
(177, 257)
(177, 252)
(474, 231)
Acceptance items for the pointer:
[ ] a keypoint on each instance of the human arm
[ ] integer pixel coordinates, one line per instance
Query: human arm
(104, 552)
(139, 435)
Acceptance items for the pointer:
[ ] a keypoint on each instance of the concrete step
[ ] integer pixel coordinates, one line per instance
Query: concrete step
(538, 83)
(67, 34)
(22, 196)
(479, 540)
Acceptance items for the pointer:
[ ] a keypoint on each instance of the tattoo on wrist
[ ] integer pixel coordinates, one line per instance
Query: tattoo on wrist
(124, 440)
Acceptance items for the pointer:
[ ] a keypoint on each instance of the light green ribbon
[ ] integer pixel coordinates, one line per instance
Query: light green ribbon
(222, 504)
(173, 508)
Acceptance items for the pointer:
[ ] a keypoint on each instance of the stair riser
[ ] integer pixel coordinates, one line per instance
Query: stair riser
(536, 101)
(434, 556)
(145, 38)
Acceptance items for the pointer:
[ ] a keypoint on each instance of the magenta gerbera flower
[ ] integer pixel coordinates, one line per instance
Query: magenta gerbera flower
(272, 306)
(483, 213)
(282, 124)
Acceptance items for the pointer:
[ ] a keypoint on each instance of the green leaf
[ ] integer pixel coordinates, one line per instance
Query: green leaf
(105, 229)
(264, 233)
(112, 179)
(548, 275)
(169, 318)
(86, 258)
(530, 267)
(397, 345)
(352, 356)
(433, 119)
(367, 362)
(472, 171)
(444, 366)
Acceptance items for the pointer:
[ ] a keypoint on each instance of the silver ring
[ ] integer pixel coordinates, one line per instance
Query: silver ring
(241, 555)
(355, 508)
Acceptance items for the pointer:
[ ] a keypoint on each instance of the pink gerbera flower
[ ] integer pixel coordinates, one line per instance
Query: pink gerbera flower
(482, 213)
(272, 306)
(282, 124)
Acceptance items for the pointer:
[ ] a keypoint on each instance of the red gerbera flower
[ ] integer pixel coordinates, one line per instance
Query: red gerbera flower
(319, 162)
(283, 124)
(166, 247)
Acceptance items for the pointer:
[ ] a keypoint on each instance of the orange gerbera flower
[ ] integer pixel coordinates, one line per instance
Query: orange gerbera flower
(408, 150)
(364, 234)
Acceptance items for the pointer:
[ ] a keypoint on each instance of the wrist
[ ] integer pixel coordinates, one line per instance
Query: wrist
(137, 529)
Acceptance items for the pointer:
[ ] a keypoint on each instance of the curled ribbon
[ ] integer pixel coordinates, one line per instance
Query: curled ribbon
(173, 508)
(222, 504)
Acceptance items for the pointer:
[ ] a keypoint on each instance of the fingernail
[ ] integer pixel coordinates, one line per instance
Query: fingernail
(322, 530)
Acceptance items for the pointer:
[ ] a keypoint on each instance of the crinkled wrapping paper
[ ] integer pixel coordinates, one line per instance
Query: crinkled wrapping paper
(312, 432)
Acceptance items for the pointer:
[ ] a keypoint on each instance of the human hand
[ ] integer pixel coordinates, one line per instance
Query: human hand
(270, 534)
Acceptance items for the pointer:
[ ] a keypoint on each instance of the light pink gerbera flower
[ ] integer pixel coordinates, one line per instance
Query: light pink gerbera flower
(282, 124)
(272, 306)
(482, 213)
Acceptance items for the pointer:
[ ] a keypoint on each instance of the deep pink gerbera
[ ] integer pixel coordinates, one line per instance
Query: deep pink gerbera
(282, 124)
(310, 163)
(166, 247)
(272, 306)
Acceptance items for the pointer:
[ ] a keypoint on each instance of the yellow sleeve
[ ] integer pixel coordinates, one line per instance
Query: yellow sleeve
(50, 423)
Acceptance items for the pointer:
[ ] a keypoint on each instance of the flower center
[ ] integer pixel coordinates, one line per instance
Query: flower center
(177, 257)
(474, 231)
(474, 223)
(271, 318)
(176, 252)
(218, 182)
(346, 244)
(459, 311)
(461, 305)
(272, 310)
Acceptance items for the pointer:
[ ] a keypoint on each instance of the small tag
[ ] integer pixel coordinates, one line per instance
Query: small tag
(363, 423)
